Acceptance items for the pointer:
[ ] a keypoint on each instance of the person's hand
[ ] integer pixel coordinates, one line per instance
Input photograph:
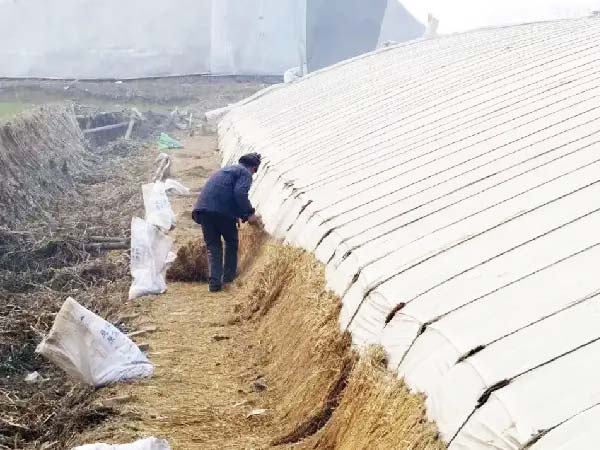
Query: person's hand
(255, 220)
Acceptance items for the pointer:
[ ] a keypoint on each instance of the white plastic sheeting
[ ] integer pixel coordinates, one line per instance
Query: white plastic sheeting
(257, 36)
(92, 350)
(291, 75)
(473, 14)
(399, 25)
(104, 39)
(451, 187)
(151, 38)
(342, 29)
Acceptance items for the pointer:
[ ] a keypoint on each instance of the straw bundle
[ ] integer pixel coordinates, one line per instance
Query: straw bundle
(42, 154)
(191, 263)
(309, 359)
(378, 412)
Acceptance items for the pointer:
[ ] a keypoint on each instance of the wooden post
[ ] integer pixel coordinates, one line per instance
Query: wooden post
(106, 128)
(130, 127)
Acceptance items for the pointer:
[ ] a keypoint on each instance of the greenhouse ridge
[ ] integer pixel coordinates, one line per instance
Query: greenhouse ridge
(450, 186)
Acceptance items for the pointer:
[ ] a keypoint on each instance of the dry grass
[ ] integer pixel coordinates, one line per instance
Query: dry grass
(42, 153)
(325, 399)
(307, 358)
(251, 241)
(200, 394)
(43, 262)
(192, 258)
(378, 412)
(191, 263)
(275, 270)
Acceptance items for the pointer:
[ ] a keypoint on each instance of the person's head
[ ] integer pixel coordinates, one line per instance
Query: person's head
(251, 161)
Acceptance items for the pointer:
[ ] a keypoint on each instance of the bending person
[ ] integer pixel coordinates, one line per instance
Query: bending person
(221, 204)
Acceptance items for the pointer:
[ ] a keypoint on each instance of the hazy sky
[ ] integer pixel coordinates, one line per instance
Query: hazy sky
(462, 15)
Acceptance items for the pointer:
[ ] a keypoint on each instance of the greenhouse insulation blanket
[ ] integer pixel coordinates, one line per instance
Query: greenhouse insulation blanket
(451, 188)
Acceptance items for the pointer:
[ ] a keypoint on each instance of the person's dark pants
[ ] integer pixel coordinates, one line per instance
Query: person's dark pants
(217, 228)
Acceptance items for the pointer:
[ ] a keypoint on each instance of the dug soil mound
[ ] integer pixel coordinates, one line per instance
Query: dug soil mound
(42, 154)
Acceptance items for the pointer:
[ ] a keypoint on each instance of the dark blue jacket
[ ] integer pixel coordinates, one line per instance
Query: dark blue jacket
(226, 193)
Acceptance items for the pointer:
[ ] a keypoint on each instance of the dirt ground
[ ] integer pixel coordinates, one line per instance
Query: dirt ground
(201, 396)
(197, 93)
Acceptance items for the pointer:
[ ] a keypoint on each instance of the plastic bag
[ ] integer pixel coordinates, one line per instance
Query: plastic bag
(144, 444)
(92, 350)
(213, 116)
(175, 187)
(292, 75)
(432, 27)
(163, 169)
(158, 208)
(166, 142)
(150, 250)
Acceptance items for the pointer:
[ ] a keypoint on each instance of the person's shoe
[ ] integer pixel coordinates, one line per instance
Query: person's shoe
(215, 288)
(229, 280)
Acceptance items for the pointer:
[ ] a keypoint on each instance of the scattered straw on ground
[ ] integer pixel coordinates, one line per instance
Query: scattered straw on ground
(283, 359)
(201, 393)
